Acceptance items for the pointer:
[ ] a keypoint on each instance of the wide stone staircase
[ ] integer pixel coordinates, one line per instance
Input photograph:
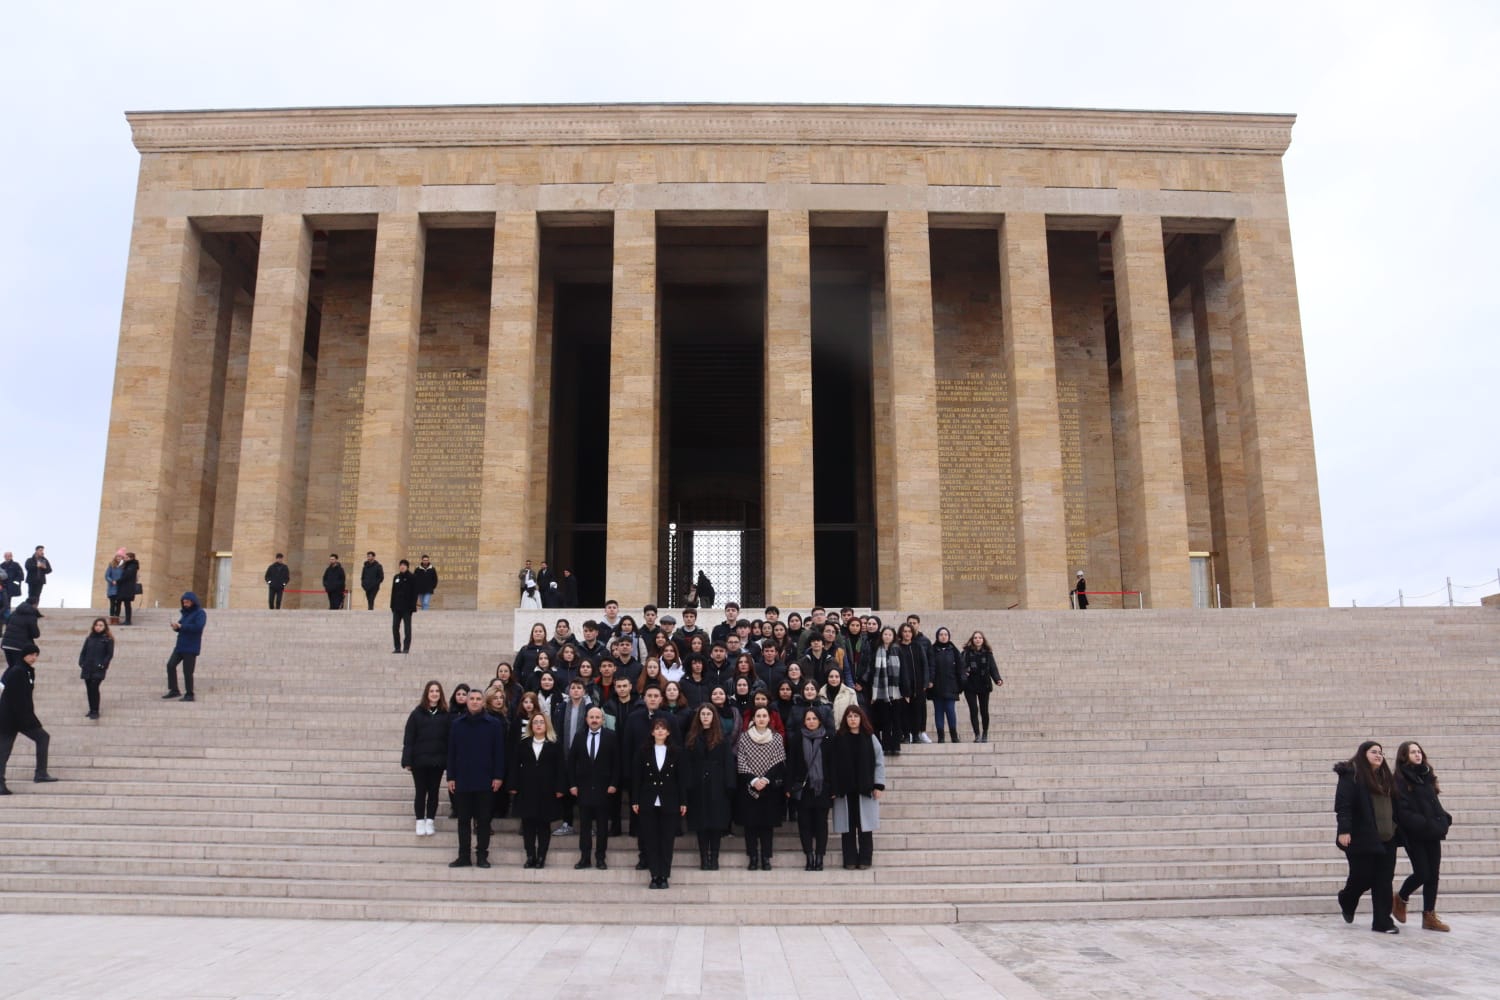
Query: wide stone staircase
(1140, 763)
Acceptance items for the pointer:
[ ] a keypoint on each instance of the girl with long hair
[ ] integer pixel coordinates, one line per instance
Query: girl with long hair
(981, 675)
(424, 752)
(808, 786)
(537, 783)
(1367, 833)
(857, 781)
(709, 777)
(93, 661)
(1424, 826)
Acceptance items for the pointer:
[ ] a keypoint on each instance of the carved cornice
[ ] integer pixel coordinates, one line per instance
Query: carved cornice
(710, 125)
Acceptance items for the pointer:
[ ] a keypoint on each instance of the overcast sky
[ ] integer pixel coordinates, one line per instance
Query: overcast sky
(1390, 178)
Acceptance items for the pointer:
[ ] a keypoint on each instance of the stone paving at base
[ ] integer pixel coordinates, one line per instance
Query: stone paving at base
(173, 958)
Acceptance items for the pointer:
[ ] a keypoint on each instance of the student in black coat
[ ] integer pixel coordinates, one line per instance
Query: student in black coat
(93, 661)
(807, 782)
(537, 781)
(1424, 826)
(371, 576)
(426, 577)
(656, 799)
(403, 604)
(334, 582)
(21, 630)
(981, 676)
(18, 715)
(1367, 833)
(424, 752)
(708, 783)
(278, 576)
(594, 769)
(37, 569)
(913, 653)
(945, 682)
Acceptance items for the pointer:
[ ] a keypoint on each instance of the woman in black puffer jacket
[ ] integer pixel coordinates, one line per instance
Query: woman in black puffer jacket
(946, 683)
(1367, 833)
(1424, 826)
(424, 752)
(93, 661)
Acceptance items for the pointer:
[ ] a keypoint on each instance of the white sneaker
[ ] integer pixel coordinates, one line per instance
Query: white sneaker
(421, 827)
(562, 831)
(430, 828)
(924, 738)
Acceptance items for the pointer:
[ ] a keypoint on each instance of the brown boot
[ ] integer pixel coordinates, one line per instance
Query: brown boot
(1398, 908)
(1431, 922)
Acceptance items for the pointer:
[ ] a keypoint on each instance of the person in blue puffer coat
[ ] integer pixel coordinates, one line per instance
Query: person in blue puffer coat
(189, 628)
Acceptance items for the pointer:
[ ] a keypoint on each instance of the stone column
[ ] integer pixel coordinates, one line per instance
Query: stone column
(788, 502)
(1281, 475)
(140, 465)
(541, 427)
(1036, 452)
(390, 400)
(634, 432)
(915, 512)
(1190, 413)
(1153, 508)
(273, 384)
(506, 489)
(1222, 442)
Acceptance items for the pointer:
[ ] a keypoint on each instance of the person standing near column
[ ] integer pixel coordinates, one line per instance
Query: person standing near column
(476, 770)
(593, 778)
(371, 576)
(93, 661)
(112, 585)
(37, 568)
(334, 582)
(189, 628)
(426, 577)
(278, 575)
(656, 799)
(1080, 592)
(18, 715)
(130, 585)
(403, 604)
(531, 597)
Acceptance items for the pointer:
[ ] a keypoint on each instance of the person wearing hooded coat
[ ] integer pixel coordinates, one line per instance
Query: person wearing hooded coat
(20, 631)
(129, 587)
(1424, 825)
(189, 628)
(945, 682)
(1367, 833)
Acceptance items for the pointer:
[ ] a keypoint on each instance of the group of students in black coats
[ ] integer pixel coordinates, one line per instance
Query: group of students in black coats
(1379, 810)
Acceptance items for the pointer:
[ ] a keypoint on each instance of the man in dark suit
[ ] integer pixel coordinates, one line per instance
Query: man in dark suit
(476, 769)
(593, 777)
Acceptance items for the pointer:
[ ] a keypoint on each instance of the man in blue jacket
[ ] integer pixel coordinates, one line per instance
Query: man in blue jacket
(476, 770)
(189, 629)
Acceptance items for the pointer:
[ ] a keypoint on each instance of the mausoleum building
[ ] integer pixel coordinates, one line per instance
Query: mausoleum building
(880, 356)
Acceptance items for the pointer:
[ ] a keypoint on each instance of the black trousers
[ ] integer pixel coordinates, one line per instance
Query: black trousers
(473, 815)
(370, 598)
(398, 619)
(34, 593)
(916, 715)
(38, 736)
(812, 824)
(1426, 858)
(979, 709)
(1372, 872)
(593, 822)
(536, 837)
(125, 607)
(708, 842)
(92, 687)
(758, 841)
(188, 661)
(425, 782)
(888, 724)
(858, 844)
(273, 598)
(335, 599)
(658, 839)
(114, 607)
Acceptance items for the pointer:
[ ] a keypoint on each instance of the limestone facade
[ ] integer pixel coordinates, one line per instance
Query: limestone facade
(965, 353)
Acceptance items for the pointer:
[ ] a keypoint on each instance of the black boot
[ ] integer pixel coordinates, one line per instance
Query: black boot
(754, 861)
(809, 866)
(703, 862)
